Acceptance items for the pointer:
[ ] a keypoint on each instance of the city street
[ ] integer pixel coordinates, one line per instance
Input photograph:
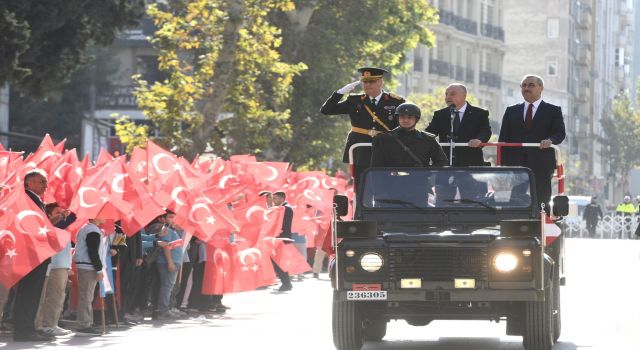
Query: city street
(601, 310)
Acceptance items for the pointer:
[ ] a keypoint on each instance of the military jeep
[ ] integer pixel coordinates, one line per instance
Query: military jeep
(447, 244)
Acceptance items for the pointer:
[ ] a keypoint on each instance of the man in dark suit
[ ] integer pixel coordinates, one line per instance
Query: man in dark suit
(279, 198)
(371, 113)
(29, 288)
(533, 121)
(470, 125)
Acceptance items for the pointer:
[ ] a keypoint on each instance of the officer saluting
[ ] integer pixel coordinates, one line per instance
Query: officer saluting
(371, 113)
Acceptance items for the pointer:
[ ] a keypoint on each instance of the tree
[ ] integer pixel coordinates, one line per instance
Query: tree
(61, 112)
(622, 139)
(334, 38)
(43, 42)
(226, 83)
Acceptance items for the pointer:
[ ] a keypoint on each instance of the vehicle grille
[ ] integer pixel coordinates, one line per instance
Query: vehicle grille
(438, 263)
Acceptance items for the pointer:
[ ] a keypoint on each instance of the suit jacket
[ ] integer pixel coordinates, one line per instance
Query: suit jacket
(353, 105)
(474, 125)
(287, 221)
(547, 124)
(36, 199)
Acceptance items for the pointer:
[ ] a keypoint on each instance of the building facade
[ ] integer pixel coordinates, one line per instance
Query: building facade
(470, 48)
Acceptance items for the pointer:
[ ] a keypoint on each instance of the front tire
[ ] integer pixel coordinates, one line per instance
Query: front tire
(348, 331)
(538, 327)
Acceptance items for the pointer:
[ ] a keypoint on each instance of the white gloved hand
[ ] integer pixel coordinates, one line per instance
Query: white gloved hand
(347, 88)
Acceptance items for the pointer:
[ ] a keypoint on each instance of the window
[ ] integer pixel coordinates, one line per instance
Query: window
(553, 28)
(552, 67)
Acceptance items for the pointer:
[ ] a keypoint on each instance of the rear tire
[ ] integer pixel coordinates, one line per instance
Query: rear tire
(347, 324)
(538, 327)
(375, 330)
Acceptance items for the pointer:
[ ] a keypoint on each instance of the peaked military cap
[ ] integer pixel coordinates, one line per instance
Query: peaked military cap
(370, 73)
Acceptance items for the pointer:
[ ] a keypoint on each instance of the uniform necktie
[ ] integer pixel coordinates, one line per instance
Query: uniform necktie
(373, 101)
(456, 123)
(529, 118)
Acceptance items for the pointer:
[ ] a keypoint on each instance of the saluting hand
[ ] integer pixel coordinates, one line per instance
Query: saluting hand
(349, 87)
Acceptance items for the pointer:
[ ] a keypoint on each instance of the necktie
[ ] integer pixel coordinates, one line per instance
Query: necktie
(456, 123)
(529, 118)
(373, 101)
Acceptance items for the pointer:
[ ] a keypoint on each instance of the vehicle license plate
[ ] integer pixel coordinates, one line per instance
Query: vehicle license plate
(367, 295)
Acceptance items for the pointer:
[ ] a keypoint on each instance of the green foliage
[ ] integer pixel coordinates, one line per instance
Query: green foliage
(43, 42)
(130, 133)
(622, 137)
(334, 38)
(220, 61)
(239, 83)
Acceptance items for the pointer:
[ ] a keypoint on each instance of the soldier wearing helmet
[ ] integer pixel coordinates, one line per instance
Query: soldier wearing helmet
(405, 146)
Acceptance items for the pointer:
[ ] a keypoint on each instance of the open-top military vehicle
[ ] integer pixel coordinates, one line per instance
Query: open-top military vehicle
(447, 244)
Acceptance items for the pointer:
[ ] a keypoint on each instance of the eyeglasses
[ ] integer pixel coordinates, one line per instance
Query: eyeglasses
(530, 85)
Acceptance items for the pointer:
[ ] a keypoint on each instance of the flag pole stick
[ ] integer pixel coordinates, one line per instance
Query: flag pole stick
(115, 310)
(104, 322)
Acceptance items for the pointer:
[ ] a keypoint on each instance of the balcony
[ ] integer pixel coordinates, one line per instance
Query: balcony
(491, 31)
(490, 79)
(117, 97)
(460, 23)
(583, 57)
(441, 68)
(584, 19)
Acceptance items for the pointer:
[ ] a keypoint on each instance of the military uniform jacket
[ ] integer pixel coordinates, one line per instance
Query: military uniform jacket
(387, 152)
(354, 106)
(474, 125)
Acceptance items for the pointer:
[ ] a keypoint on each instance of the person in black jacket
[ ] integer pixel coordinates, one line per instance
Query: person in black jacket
(470, 125)
(534, 121)
(405, 146)
(591, 215)
(370, 113)
(29, 288)
(279, 198)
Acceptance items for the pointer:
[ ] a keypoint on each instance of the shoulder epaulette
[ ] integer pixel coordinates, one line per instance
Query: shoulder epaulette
(394, 96)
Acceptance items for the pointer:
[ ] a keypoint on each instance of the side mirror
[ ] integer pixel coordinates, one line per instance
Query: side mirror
(560, 206)
(341, 203)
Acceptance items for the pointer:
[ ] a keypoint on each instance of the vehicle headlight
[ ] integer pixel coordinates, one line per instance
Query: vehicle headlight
(371, 262)
(505, 262)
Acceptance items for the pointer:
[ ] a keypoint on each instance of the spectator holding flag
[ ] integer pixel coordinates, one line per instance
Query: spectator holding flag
(169, 263)
(89, 263)
(59, 272)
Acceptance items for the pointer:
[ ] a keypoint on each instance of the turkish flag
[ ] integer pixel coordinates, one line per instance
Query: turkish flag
(252, 267)
(204, 218)
(138, 162)
(270, 175)
(27, 238)
(218, 273)
(289, 258)
(160, 165)
(58, 186)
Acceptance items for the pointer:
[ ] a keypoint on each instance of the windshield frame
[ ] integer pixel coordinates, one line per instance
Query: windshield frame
(466, 214)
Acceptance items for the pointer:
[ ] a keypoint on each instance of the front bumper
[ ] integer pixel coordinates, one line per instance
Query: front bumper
(457, 295)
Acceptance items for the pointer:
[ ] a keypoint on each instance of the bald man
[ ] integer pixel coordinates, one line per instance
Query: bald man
(471, 126)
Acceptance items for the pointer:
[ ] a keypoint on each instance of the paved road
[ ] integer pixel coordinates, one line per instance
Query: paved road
(601, 310)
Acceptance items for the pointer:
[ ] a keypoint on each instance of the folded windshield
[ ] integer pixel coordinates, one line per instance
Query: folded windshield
(446, 188)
